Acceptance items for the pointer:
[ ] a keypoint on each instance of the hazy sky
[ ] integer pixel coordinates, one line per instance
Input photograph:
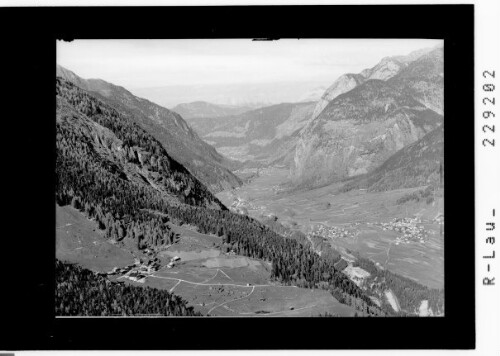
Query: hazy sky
(154, 63)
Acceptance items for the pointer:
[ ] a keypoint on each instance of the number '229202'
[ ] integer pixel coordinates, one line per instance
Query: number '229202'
(489, 105)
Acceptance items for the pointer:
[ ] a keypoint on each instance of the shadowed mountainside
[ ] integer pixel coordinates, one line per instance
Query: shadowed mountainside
(168, 127)
(116, 173)
(418, 164)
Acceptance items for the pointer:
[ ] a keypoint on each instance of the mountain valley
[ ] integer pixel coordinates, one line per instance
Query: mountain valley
(328, 206)
(168, 127)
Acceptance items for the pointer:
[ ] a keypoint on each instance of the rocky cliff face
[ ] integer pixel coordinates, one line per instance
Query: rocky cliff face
(359, 129)
(342, 85)
(168, 127)
(387, 68)
(111, 145)
(423, 79)
(418, 164)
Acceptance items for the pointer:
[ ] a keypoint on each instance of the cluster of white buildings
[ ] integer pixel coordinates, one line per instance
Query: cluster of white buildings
(138, 271)
(172, 262)
(332, 232)
(408, 228)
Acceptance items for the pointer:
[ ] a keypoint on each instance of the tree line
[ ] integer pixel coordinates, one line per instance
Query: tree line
(129, 208)
(409, 293)
(82, 292)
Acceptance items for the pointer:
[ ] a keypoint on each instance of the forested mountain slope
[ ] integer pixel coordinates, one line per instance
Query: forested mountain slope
(418, 164)
(114, 170)
(116, 173)
(80, 292)
(169, 128)
(361, 128)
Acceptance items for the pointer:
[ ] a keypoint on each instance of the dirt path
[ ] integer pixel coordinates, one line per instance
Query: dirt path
(221, 284)
(388, 252)
(221, 271)
(234, 300)
(216, 273)
(179, 280)
(172, 289)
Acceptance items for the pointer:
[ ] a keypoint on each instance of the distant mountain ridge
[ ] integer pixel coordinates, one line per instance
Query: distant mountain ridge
(235, 94)
(385, 107)
(362, 127)
(384, 70)
(168, 127)
(266, 135)
(202, 109)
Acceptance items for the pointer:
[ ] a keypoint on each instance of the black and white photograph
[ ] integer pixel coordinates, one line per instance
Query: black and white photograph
(240, 178)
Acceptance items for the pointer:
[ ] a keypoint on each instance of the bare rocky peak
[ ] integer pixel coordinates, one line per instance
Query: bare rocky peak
(387, 68)
(342, 85)
(356, 130)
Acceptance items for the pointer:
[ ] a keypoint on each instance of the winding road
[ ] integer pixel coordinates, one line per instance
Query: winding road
(179, 280)
(220, 284)
(234, 300)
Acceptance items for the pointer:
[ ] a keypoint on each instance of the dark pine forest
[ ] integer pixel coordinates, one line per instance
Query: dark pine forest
(121, 176)
(83, 293)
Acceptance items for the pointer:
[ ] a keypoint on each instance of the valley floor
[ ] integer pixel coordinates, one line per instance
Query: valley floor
(353, 221)
(225, 284)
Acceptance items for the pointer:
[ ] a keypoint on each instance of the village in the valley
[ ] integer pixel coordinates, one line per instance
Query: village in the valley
(141, 268)
(411, 229)
(335, 232)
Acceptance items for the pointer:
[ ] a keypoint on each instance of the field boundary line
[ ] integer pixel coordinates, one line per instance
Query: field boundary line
(224, 274)
(234, 300)
(221, 284)
(215, 275)
(172, 289)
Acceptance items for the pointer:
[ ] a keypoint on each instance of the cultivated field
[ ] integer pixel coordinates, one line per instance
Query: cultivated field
(358, 211)
(240, 287)
(213, 283)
